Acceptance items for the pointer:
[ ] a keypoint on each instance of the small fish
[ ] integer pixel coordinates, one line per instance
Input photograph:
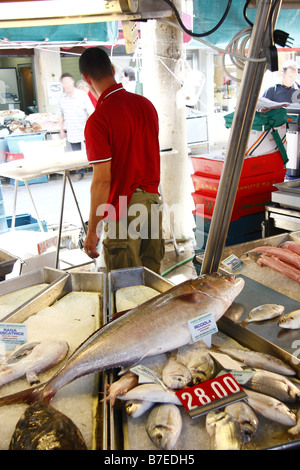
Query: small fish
(164, 426)
(263, 312)
(275, 385)
(136, 408)
(151, 392)
(295, 430)
(259, 360)
(199, 362)
(31, 359)
(290, 320)
(42, 427)
(223, 431)
(176, 375)
(245, 417)
(270, 408)
(121, 386)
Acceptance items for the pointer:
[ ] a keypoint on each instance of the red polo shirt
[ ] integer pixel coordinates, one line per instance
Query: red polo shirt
(124, 129)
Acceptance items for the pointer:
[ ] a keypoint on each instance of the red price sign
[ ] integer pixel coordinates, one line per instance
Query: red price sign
(211, 394)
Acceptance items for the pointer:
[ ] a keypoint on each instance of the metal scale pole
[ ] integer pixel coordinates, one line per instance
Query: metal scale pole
(240, 131)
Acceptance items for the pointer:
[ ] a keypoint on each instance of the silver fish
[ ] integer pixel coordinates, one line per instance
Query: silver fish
(31, 359)
(176, 375)
(156, 326)
(295, 430)
(136, 408)
(164, 426)
(151, 392)
(290, 320)
(245, 417)
(275, 385)
(270, 408)
(223, 431)
(199, 362)
(259, 360)
(262, 313)
(121, 386)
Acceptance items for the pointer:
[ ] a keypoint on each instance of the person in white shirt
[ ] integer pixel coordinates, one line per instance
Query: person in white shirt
(74, 108)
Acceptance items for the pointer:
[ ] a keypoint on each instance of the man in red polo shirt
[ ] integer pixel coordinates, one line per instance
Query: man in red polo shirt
(123, 147)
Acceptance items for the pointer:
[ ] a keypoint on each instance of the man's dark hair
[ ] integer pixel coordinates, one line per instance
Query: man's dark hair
(95, 63)
(64, 75)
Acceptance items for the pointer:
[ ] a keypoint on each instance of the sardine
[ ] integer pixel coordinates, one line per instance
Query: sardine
(295, 430)
(199, 362)
(259, 360)
(31, 359)
(151, 392)
(223, 431)
(262, 313)
(164, 426)
(42, 427)
(290, 320)
(121, 386)
(176, 375)
(270, 408)
(157, 326)
(136, 408)
(275, 385)
(245, 417)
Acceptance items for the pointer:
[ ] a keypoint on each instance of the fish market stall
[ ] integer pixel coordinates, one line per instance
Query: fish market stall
(135, 428)
(68, 311)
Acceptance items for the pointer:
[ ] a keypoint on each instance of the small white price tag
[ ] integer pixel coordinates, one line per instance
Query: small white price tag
(13, 334)
(203, 327)
(233, 262)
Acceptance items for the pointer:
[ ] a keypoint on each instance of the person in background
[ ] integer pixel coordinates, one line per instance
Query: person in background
(288, 91)
(128, 79)
(122, 145)
(82, 85)
(74, 108)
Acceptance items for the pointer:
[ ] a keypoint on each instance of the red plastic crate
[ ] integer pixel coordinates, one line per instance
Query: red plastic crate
(205, 184)
(244, 205)
(10, 157)
(269, 163)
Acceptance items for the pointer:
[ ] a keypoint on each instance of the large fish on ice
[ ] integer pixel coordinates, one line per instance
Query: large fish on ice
(154, 327)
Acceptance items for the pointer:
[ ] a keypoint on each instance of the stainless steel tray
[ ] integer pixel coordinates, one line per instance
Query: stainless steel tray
(130, 434)
(7, 262)
(292, 187)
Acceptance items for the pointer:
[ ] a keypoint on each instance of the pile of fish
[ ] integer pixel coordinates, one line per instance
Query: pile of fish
(155, 327)
(272, 393)
(284, 259)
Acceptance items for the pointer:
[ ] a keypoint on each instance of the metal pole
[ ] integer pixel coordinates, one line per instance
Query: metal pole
(240, 131)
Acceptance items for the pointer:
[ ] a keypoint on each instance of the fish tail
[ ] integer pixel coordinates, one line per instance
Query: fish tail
(243, 323)
(28, 396)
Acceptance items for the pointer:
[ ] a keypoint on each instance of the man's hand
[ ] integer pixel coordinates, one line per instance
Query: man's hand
(90, 244)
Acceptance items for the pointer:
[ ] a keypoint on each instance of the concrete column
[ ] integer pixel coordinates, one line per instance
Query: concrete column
(163, 74)
(47, 71)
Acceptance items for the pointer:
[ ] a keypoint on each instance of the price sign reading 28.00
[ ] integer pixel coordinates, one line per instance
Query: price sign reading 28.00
(211, 394)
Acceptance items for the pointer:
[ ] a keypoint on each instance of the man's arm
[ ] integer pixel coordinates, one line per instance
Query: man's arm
(100, 189)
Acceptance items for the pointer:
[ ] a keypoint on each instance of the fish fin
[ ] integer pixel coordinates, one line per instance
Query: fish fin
(191, 297)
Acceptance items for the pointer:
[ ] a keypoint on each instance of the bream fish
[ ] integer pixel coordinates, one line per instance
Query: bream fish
(42, 427)
(290, 320)
(245, 417)
(176, 375)
(223, 431)
(270, 408)
(259, 360)
(157, 326)
(199, 362)
(275, 385)
(164, 425)
(31, 359)
(262, 313)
